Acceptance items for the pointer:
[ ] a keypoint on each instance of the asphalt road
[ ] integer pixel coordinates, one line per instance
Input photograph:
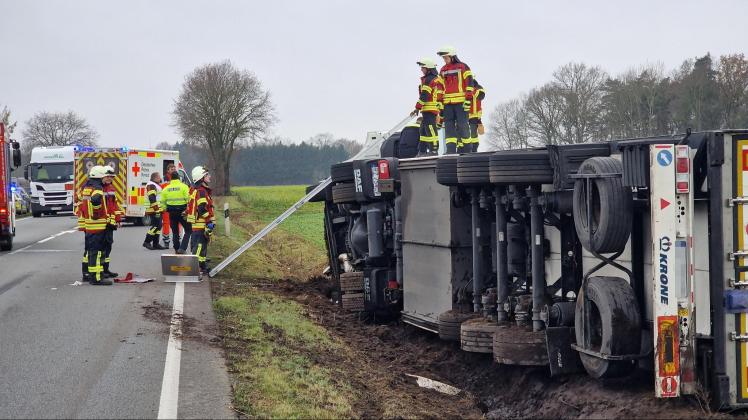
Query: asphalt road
(85, 351)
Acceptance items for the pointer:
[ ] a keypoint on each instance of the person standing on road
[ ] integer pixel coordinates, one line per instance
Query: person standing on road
(200, 213)
(165, 224)
(474, 118)
(96, 217)
(153, 191)
(430, 104)
(458, 97)
(174, 199)
(114, 208)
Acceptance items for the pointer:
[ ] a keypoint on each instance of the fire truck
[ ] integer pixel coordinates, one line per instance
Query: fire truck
(10, 158)
(599, 258)
(133, 169)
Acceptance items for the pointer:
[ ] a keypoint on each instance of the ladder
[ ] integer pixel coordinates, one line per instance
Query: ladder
(370, 149)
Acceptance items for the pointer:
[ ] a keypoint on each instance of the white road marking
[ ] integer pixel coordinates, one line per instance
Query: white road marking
(48, 250)
(46, 239)
(168, 404)
(21, 249)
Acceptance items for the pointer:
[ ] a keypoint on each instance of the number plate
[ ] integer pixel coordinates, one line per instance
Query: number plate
(55, 208)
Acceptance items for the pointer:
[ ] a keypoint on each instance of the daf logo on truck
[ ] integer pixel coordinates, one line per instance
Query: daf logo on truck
(665, 245)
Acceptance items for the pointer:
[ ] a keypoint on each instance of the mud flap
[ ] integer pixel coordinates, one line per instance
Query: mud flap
(562, 358)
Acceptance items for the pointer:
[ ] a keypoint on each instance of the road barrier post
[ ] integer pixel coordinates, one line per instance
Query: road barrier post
(226, 219)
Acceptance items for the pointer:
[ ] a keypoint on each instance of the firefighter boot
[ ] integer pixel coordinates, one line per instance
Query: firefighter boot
(107, 273)
(148, 240)
(102, 282)
(156, 245)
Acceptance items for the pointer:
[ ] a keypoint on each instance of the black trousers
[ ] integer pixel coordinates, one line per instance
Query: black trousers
(455, 127)
(428, 143)
(474, 139)
(108, 242)
(154, 232)
(177, 218)
(95, 244)
(199, 246)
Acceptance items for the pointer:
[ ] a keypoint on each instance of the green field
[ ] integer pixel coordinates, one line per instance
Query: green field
(269, 340)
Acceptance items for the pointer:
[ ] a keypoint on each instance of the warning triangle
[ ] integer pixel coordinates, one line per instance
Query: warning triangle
(663, 203)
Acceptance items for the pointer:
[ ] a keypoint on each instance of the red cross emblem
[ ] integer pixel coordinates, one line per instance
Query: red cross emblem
(135, 169)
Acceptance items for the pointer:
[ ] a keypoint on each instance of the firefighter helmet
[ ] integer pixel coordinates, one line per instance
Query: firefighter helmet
(427, 63)
(447, 50)
(198, 173)
(97, 172)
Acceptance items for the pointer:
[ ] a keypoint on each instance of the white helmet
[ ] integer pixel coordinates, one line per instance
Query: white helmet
(198, 173)
(447, 50)
(97, 172)
(426, 62)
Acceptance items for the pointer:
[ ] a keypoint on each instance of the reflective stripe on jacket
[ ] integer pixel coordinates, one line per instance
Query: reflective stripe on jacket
(175, 194)
(476, 107)
(458, 83)
(200, 209)
(431, 94)
(93, 208)
(153, 192)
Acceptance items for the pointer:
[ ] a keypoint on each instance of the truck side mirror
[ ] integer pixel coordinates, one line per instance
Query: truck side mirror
(16, 154)
(26, 172)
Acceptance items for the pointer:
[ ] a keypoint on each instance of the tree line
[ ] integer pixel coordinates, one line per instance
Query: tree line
(583, 103)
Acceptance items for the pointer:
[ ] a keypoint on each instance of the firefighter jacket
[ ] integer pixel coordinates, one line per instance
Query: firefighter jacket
(200, 209)
(176, 194)
(153, 192)
(458, 83)
(113, 205)
(431, 93)
(93, 208)
(77, 210)
(476, 107)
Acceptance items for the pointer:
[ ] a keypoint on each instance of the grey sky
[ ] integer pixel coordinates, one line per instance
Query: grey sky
(344, 67)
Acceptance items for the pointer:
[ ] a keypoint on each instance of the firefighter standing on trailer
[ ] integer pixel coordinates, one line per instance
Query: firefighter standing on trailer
(474, 118)
(153, 191)
(200, 214)
(430, 104)
(174, 199)
(458, 97)
(114, 208)
(93, 207)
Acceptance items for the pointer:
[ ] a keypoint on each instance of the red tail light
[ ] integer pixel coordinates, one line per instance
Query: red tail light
(682, 169)
(384, 169)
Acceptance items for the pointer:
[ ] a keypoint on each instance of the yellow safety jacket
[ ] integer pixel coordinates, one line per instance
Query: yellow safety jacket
(93, 208)
(175, 194)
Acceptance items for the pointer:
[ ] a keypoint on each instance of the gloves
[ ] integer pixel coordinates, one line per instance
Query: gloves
(414, 113)
(210, 226)
(466, 105)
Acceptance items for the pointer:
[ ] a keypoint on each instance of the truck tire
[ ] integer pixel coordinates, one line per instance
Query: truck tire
(352, 282)
(446, 170)
(353, 302)
(448, 324)
(342, 172)
(521, 167)
(615, 326)
(473, 168)
(518, 346)
(343, 193)
(6, 243)
(611, 207)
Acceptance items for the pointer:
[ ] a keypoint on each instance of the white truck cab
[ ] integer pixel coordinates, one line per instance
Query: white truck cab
(50, 176)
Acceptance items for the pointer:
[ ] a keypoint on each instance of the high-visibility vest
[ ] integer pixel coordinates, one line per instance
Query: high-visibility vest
(430, 94)
(200, 209)
(153, 190)
(458, 83)
(175, 194)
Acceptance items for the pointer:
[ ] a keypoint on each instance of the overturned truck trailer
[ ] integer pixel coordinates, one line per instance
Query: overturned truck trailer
(596, 257)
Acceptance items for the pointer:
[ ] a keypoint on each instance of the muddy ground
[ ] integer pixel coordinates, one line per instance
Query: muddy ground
(383, 354)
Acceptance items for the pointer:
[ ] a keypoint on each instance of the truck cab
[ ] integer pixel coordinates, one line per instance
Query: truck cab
(50, 176)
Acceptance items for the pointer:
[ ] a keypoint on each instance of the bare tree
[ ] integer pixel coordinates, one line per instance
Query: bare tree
(351, 146)
(507, 126)
(220, 106)
(58, 129)
(164, 145)
(732, 78)
(545, 114)
(581, 88)
(5, 118)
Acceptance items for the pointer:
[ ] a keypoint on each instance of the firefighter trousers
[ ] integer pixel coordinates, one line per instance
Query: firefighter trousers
(428, 135)
(95, 245)
(177, 218)
(108, 242)
(154, 232)
(199, 247)
(455, 127)
(472, 145)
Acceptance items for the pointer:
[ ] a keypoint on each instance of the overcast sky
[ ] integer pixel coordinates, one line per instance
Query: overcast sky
(344, 67)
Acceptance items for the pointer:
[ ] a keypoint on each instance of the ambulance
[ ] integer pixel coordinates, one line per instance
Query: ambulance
(133, 169)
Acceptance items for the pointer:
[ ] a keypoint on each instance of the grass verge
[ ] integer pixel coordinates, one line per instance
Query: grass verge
(272, 346)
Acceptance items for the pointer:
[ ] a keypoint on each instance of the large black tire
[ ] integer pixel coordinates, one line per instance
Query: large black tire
(611, 207)
(615, 326)
(473, 168)
(342, 172)
(353, 302)
(6, 243)
(446, 170)
(521, 167)
(343, 193)
(352, 282)
(320, 196)
(449, 322)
